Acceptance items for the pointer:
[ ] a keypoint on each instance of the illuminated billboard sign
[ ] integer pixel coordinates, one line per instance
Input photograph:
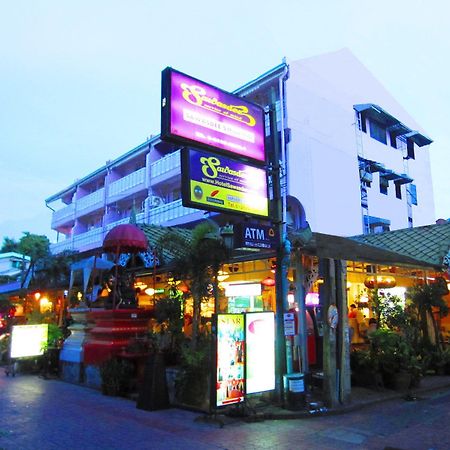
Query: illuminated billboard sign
(28, 340)
(254, 236)
(230, 374)
(260, 351)
(217, 183)
(197, 114)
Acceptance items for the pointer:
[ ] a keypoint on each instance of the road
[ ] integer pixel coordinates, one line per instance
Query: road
(50, 414)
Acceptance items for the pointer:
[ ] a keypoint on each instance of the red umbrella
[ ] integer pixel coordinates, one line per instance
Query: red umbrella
(125, 238)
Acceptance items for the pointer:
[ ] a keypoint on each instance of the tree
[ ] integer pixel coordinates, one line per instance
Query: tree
(33, 245)
(9, 245)
(425, 298)
(196, 261)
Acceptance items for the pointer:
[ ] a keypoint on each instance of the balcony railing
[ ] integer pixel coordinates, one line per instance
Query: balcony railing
(169, 211)
(128, 182)
(139, 219)
(91, 239)
(63, 215)
(62, 246)
(165, 164)
(96, 199)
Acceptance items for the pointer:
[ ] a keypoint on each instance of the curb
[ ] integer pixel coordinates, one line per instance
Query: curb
(304, 414)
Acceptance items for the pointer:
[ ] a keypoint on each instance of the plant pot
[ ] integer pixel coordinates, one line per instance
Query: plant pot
(402, 381)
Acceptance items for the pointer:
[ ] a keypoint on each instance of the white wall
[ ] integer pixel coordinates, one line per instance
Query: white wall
(322, 161)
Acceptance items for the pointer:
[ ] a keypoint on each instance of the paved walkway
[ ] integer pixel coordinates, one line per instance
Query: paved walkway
(360, 398)
(50, 414)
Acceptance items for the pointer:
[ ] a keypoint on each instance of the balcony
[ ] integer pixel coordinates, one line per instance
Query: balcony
(127, 185)
(172, 214)
(140, 218)
(165, 168)
(81, 242)
(90, 202)
(63, 216)
(86, 241)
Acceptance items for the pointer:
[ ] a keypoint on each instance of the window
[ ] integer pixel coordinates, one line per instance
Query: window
(398, 190)
(412, 191)
(384, 184)
(378, 131)
(362, 122)
(410, 149)
(393, 139)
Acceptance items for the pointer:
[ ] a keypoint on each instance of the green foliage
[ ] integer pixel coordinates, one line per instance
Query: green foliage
(33, 245)
(9, 245)
(54, 270)
(192, 381)
(196, 261)
(116, 376)
(55, 334)
(429, 296)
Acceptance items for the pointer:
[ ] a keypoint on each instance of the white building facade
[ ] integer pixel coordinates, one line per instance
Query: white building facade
(352, 162)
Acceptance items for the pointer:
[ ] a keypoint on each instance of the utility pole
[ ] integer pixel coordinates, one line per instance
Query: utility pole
(283, 251)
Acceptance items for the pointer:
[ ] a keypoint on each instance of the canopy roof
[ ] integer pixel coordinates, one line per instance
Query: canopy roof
(125, 238)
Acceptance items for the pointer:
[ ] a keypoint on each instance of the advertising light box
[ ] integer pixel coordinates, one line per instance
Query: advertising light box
(260, 351)
(198, 114)
(28, 340)
(230, 382)
(218, 183)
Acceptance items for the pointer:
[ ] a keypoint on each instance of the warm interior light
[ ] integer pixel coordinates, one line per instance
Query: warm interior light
(140, 285)
(380, 281)
(45, 304)
(37, 295)
(150, 291)
(268, 281)
(222, 276)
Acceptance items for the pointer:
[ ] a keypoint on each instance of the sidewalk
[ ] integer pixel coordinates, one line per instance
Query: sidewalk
(360, 398)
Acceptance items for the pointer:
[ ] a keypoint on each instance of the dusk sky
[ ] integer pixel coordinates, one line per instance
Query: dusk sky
(80, 80)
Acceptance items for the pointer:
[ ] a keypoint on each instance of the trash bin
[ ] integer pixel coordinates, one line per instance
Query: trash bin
(294, 390)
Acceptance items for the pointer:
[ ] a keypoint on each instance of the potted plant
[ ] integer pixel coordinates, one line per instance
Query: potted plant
(365, 368)
(116, 374)
(193, 381)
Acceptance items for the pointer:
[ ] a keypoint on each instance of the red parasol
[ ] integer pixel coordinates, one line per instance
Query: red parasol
(125, 238)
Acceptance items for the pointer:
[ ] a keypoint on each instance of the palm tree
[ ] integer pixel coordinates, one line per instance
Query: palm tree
(196, 261)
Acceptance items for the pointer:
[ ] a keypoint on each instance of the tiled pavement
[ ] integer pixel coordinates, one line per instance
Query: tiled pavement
(50, 414)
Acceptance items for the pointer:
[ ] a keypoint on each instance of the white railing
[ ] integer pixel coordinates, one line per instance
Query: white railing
(59, 247)
(96, 198)
(165, 164)
(91, 238)
(139, 219)
(127, 182)
(63, 214)
(169, 211)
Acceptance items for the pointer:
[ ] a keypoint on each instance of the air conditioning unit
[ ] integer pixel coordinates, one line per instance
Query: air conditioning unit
(154, 201)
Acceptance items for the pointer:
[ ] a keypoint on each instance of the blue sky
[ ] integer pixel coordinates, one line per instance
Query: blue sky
(80, 80)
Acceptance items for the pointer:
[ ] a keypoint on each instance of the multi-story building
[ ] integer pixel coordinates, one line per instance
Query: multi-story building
(352, 162)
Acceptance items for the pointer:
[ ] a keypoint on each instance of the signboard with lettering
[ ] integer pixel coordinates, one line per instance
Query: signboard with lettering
(254, 236)
(230, 374)
(217, 183)
(28, 340)
(289, 324)
(197, 114)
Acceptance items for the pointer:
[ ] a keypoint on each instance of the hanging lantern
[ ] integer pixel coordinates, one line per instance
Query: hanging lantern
(380, 282)
(268, 282)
